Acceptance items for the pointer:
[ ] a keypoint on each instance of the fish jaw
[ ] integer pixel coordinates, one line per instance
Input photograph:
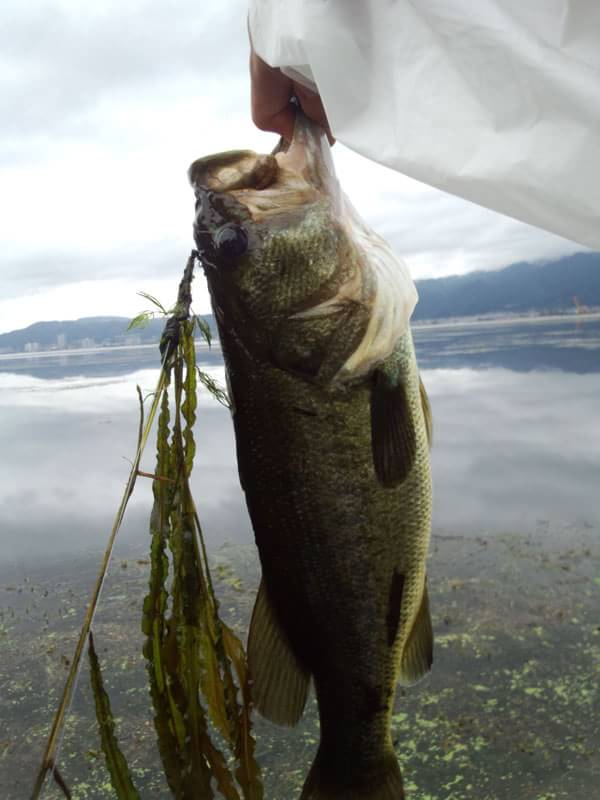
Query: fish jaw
(282, 206)
(233, 170)
(270, 185)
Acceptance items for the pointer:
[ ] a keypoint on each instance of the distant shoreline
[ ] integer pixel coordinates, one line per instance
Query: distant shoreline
(81, 351)
(443, 322)
(452, 322)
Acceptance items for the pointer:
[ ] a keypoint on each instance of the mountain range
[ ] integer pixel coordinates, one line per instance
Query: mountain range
(89, 331)
(553, 287)
(557, 287)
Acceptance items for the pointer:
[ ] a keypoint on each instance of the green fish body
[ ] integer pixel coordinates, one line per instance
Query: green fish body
(332, 429)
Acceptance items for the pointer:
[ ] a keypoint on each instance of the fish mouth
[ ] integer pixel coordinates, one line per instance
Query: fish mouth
(293, 175)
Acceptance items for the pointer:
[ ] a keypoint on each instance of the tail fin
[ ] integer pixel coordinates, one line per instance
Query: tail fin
(385, 784)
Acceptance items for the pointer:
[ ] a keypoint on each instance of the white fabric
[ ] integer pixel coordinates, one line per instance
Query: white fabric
(497, 101)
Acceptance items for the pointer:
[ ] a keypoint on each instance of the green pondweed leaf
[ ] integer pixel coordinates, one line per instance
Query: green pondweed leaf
(196, 666)
(190, 403)
(115, 760)
(155, 302)
(217, 391)
(248, 771)
(193, 661)
(204, 329)
(141, 320)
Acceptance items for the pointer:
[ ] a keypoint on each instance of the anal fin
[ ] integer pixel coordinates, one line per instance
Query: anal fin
(417, 655)
(425, 405)
(280, 684)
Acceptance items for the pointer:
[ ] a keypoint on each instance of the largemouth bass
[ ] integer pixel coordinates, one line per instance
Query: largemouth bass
(332, 427)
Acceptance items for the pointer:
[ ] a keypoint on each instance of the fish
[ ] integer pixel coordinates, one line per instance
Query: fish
(333, 429)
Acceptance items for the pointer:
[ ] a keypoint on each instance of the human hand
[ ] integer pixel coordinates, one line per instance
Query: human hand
(272, 92)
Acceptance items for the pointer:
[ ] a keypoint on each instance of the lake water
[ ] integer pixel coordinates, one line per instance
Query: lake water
(516, 466)
(516, 441)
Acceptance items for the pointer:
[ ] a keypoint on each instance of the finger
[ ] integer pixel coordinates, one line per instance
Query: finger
(271, 92)
(312, 105)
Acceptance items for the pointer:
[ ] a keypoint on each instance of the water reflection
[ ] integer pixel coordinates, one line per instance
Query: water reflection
(516, 449)
(567, 343)
(102, 362)
(66, 445)
(510, 447)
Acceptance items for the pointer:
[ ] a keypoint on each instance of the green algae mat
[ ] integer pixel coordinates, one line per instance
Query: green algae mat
(511, 709)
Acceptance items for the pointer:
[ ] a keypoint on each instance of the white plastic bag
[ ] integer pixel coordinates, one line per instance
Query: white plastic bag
(496, 101)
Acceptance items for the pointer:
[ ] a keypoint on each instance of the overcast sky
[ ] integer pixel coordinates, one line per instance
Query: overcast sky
(102, 108)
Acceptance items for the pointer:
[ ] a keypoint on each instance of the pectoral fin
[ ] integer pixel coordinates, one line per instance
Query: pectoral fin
(417, 655)
(393, 437)
(280, 684)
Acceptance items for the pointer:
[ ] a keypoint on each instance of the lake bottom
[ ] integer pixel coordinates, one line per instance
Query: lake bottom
(509, 710)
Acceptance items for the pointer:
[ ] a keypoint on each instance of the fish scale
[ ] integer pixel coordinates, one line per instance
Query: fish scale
(334, 466)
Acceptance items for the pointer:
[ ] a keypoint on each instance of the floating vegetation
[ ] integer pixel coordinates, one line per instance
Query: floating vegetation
(474, 730)
(196, 665)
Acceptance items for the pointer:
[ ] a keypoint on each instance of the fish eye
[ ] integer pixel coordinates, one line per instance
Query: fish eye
(231, 241)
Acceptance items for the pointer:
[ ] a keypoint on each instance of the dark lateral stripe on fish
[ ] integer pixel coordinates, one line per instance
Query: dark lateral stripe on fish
(306, 411)
(395, 604)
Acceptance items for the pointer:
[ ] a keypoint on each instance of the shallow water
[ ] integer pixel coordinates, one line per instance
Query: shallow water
(514, 569)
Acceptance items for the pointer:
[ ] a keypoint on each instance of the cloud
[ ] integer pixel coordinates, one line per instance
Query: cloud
(70, 57)
(102, 108)
(435, 232)
(34, 274)
(116, 297)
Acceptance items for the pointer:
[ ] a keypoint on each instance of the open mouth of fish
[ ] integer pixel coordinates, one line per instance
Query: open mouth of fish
(290, 177)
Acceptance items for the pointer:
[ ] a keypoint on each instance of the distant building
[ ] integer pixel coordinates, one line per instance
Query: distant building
(61, 341)
(87, 342)
(31, 347)
(130, 339)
